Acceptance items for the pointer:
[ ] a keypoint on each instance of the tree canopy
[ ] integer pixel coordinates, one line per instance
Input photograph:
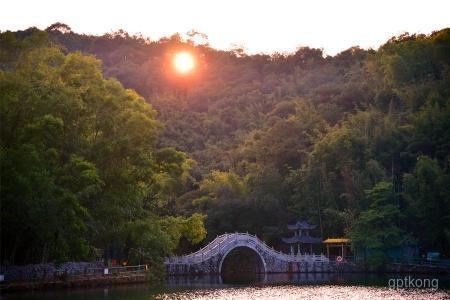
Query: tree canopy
(97, 129)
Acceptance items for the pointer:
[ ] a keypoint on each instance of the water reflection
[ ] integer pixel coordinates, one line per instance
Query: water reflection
(300, 286)
(312, 292)
(261, 286)
(206, 281)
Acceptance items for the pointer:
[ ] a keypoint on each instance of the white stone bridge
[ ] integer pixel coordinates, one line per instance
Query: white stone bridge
(250, 254)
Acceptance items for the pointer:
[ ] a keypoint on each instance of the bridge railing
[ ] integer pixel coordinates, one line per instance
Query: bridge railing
(290, 257)
(204, 253)
(199, 253)
(207, 247)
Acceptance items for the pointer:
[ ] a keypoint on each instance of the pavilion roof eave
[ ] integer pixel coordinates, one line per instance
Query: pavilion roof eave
(336, 241)
(301, 225)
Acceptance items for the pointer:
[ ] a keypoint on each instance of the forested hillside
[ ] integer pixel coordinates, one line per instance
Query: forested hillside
(358, 143)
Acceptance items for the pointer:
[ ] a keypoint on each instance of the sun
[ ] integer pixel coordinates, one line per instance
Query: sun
(184, 62)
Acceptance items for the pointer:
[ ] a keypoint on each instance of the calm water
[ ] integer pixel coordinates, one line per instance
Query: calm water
(277, 286)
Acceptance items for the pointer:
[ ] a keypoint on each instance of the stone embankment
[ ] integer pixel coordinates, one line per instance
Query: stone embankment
(69, 275)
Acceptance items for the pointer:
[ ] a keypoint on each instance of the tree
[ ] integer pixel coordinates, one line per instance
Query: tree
(61, 27)
(427, 194)
(377, 229)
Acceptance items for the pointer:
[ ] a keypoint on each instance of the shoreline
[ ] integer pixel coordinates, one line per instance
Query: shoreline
(75, 282)
(144, 277)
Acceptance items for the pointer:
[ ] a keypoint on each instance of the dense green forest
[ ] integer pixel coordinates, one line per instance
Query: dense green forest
(105, 152)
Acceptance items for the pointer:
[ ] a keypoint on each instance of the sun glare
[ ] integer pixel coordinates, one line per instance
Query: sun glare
(184, 62)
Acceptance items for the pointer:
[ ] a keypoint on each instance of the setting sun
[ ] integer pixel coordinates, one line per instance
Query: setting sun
(184, 62)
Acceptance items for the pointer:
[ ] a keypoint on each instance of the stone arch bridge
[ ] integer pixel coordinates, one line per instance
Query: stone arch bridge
(212, 258)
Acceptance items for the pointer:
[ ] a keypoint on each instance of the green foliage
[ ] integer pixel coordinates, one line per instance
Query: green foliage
(378, 228)
(427, 193)
(81, 172)
(191, 229)
(246, 143)
(222, 194)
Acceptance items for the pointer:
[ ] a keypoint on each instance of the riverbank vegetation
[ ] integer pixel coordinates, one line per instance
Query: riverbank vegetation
(106, 152)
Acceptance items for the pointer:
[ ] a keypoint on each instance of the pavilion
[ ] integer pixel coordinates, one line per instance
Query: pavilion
(301, 236)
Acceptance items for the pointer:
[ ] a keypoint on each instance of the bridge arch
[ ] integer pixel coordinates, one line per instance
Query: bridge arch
(245, 246)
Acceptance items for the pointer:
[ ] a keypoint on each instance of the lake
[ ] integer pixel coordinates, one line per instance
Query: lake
(270, 286)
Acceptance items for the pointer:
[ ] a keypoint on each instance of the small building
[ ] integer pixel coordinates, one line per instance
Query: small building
(302, 240)
(337, 247)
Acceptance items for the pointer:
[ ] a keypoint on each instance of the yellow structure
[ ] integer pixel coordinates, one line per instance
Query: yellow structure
(342, 243)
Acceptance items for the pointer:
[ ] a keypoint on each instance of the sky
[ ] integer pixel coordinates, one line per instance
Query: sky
(259, 26)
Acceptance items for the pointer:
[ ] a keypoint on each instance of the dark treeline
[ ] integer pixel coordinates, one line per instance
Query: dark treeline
(358, 143)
